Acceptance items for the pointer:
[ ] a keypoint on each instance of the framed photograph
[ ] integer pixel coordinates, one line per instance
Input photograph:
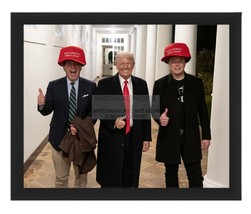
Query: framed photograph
(28, 29)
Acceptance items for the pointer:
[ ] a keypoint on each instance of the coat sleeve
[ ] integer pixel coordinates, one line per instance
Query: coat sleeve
(147, 122)
(93, 92)
(155, 107)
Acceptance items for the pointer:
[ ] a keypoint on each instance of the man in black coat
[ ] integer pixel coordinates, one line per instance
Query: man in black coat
(184, 127)
(125, 128)
(57, 100)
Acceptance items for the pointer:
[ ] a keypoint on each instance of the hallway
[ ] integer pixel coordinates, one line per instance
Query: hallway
(40, 174)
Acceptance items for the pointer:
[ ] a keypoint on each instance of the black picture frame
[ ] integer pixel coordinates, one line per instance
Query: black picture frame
(18, 192)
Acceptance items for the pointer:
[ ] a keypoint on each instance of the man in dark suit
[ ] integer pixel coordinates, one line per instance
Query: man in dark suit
(182, 109)
(124, 131)
(57, 100)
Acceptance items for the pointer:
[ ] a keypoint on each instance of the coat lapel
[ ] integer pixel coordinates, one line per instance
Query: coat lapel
(64, 91)
(81, 88)
(116, 88)
(170, 84)
(187, 82)
(135, 86)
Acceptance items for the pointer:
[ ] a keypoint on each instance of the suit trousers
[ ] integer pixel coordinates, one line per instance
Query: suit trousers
(62, 167)
(193, 170)
(193, 173)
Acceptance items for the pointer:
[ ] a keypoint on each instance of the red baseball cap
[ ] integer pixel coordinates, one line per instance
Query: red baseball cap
(72, 53)
(176, 49)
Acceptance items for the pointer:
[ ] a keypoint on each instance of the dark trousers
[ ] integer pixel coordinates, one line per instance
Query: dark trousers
(127, 180)
(193, 170)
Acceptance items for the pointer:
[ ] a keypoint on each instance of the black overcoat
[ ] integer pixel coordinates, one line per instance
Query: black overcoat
(111, 141)
(196, 117)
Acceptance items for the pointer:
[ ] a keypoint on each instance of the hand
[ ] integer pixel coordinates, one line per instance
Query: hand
(205, 144)
(163, 118)
(40, 98)
(73, 130)
(120, 123)
(146, 146)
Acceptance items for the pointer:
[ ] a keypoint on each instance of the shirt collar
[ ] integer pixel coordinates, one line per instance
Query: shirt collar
(122, 80)
(69, 81)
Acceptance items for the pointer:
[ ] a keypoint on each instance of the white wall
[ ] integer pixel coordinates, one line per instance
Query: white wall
(41, 50)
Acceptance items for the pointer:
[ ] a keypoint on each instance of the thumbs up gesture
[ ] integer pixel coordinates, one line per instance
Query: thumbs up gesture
(163, 118)
(40, 97)
(120, 123)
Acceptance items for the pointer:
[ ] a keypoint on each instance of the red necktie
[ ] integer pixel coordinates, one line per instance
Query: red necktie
(127, 105)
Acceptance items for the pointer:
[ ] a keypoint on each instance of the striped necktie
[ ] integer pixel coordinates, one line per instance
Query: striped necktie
(127, 105)
(72, 103)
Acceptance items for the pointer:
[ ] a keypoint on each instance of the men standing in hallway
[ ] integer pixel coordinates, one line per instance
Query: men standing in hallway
(122, 138)
(66, 97)
(183, 111)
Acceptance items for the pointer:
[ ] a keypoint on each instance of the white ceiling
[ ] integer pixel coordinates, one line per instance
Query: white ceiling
(107, 29)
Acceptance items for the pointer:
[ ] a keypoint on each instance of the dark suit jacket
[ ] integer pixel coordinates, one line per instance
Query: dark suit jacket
(168, 140)
(57, 101)
(111, 140)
